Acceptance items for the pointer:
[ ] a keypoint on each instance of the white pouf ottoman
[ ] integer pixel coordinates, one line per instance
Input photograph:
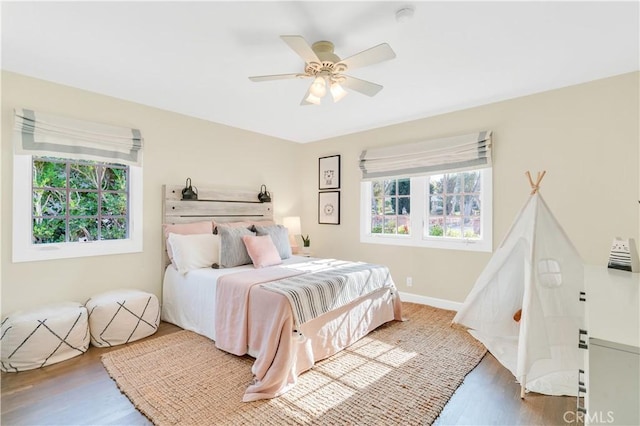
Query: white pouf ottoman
(122, 316)
(43, 336)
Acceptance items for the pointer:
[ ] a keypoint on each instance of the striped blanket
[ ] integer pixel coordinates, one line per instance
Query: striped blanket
(316, 293)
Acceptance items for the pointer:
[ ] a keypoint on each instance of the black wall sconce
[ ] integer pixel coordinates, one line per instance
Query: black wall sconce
(264, 195)
(188, 193)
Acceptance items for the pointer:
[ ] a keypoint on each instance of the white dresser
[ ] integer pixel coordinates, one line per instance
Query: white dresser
(612, 379)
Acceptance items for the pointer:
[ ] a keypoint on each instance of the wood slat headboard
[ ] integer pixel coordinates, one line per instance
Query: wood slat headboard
(221, 205)
(217, 204)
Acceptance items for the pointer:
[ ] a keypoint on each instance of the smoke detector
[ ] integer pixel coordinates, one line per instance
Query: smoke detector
(404, 14)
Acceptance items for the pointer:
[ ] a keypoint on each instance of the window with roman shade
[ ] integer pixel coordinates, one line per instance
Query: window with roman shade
(456, 153)
(47, 135)
(80, 183)
(434, 193)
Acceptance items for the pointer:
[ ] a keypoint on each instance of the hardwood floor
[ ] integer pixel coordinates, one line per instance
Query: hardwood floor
(80, 392)
(74, 392)
(490, 395)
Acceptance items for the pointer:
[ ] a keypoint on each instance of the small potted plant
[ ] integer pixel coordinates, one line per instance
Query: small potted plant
(306, 244)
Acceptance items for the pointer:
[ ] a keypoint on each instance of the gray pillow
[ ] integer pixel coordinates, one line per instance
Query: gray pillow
(232, 249)
(280, 237)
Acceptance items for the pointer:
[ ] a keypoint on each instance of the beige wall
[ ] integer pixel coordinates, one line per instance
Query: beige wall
(585, 137)
(175, 147)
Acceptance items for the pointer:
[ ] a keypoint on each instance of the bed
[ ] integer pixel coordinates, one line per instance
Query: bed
(249, 310)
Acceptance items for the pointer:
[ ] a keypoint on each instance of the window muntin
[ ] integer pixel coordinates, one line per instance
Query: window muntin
(79, 201)
(450, 211)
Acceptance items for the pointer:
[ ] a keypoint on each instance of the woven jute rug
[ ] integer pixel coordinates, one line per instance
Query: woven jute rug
(401, 373)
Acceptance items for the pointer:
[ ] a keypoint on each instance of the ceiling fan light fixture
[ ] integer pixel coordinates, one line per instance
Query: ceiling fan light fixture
(338, 92)
(327, 69)
(318, 87)
(313, 99)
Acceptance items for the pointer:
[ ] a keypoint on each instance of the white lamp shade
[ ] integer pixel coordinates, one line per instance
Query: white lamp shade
(312, 99)
(292, 223)
(338, 92)
(318, 87)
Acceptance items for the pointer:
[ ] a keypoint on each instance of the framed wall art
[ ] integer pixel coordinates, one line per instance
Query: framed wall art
(329, 172)
(329, 208)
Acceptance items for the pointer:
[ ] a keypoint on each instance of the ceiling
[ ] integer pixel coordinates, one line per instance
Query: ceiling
(195, 58)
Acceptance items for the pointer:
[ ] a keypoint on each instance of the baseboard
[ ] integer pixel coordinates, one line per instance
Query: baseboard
(431, 301)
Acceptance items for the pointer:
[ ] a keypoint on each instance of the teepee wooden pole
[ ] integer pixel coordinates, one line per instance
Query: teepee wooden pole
(528, 175)
(535, 186)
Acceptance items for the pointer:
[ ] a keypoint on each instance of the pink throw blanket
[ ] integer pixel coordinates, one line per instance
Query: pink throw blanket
(232, 307)
(249, 316)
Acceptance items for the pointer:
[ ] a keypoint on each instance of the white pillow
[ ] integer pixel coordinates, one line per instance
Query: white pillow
(194, 251)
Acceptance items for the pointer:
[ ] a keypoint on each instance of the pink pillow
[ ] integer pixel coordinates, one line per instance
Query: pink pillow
(261, 250)
(185, 229)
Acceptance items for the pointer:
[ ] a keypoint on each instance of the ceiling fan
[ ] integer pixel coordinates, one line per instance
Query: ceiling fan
(327, 69)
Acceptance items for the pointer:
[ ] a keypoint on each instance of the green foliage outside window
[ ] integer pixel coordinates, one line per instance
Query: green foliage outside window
(436, 231)
(78, 201)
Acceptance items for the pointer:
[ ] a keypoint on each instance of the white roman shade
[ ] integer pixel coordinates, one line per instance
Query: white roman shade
(49, 135)
(456, 153)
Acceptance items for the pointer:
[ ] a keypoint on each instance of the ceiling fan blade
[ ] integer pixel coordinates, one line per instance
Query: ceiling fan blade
(276, 77)
(374, 55)
(365, 87)
(301, 47)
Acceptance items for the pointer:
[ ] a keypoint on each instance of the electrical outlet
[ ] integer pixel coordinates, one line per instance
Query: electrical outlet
(409, 281)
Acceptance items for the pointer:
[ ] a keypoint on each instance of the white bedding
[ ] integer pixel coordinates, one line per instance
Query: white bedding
(188, 300)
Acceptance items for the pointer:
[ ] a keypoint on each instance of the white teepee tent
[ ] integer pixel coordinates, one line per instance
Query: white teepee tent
(537, 275)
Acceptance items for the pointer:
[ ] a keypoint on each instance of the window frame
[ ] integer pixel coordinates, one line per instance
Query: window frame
(419, 218)
(24, 250)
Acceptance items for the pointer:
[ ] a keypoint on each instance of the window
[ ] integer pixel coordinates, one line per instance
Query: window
(390, 206)
(79, 201)
(77, 188)
(446, 210)
(65, 213)
(454, 204)
(431, 193)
